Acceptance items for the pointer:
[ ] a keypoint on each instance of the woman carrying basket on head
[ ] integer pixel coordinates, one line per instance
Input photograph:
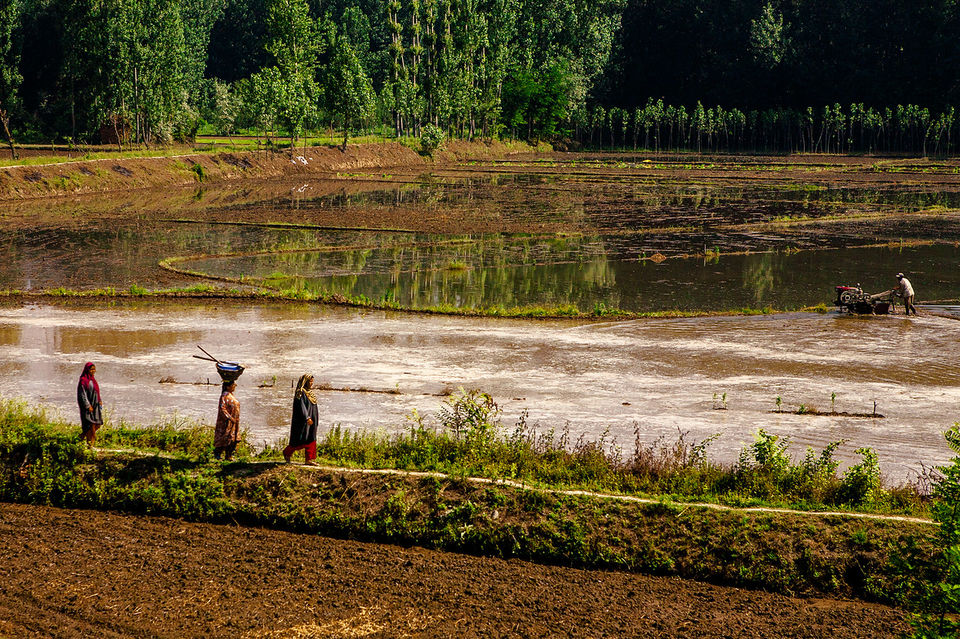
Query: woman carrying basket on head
(227, 431)
(303, 423)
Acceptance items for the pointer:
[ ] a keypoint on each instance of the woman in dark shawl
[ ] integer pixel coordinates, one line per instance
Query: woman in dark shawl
(227, 431)
(91, 408)
(303, 424)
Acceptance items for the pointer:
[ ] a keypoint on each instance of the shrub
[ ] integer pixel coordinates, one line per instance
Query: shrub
(938, 600)
(862, 485)
(431, 139)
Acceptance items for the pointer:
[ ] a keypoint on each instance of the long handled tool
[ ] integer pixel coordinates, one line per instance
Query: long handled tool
(212, 358)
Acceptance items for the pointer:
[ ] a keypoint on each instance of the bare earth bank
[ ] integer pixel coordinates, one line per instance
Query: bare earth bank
(77, 573)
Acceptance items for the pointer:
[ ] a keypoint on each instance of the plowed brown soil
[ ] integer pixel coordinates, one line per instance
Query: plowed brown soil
(75, 573)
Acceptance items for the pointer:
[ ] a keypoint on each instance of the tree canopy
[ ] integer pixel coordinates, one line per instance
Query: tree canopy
(594, 71)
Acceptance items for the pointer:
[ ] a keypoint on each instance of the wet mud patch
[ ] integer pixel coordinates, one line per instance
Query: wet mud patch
(814, 412)
(239, 162)
(592, 224)
(122, 170)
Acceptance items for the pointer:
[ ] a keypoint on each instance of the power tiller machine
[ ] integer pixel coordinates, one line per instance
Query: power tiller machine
(853, 300)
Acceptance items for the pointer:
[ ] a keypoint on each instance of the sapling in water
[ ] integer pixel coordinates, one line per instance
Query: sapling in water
(719, 401)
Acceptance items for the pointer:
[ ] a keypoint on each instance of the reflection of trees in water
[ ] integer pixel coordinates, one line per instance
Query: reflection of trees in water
(582, 284)
(758, 276)
(488, 270)
(490, 252)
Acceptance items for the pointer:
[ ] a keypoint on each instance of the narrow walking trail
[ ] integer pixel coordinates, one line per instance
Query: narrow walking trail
(570, 493)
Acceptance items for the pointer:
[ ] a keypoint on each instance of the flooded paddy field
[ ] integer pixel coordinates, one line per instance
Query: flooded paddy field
(590, 232)
(649, 379)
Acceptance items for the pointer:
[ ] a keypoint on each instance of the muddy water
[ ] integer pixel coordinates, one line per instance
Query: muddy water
(602, 225)
(660, 376)
(581, 271)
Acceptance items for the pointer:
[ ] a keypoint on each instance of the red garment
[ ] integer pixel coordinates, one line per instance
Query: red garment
(227, 431)
(86, 379)
(309, 451)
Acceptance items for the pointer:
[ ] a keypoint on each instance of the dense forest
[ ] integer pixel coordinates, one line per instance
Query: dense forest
(779, 75)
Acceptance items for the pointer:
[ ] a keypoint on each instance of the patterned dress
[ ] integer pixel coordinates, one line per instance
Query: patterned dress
(227, 432)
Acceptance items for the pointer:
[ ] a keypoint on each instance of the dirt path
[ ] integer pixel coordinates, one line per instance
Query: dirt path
(569, 493)
(74, 573)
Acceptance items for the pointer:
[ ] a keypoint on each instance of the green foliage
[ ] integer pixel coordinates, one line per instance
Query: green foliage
(223, 107)
(287, 93)
(473, 418)
(10, 75)
(348, 92)
(535, 103)
(938, 599)
(861, 484)
(767, 37)
(431, 139)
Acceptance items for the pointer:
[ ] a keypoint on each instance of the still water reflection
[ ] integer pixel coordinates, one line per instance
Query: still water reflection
(498, 271)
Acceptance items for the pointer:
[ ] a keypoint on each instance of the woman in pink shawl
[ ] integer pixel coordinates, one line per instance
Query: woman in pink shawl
(91, 408)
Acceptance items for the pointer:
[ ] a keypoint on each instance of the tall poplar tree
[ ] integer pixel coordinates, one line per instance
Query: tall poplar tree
(289, 87)
(348, 92)
(10, 77)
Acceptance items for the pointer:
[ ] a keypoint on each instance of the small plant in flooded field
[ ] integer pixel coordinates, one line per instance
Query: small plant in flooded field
(779, 404)
(600, 309)
(138, 291)
(802, 409)
(720, 401)
(833, 402)
(473, 417)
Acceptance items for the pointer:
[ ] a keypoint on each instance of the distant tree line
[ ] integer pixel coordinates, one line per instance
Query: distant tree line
(602, 73)
(831, 129)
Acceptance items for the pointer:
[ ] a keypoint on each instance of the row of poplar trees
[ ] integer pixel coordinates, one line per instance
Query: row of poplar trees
(591, 71)
(155, 70)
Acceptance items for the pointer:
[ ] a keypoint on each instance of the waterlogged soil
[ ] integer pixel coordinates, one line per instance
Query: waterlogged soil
(73, 573)
(639, 232)
(622, 382)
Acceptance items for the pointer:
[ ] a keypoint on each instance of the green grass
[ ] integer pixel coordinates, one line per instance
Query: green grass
(42, 461)
(276, 287)
(482, 446)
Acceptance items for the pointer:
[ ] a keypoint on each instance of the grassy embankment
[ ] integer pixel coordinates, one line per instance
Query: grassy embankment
(207, 291)
(166, 469)
(42, 154)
